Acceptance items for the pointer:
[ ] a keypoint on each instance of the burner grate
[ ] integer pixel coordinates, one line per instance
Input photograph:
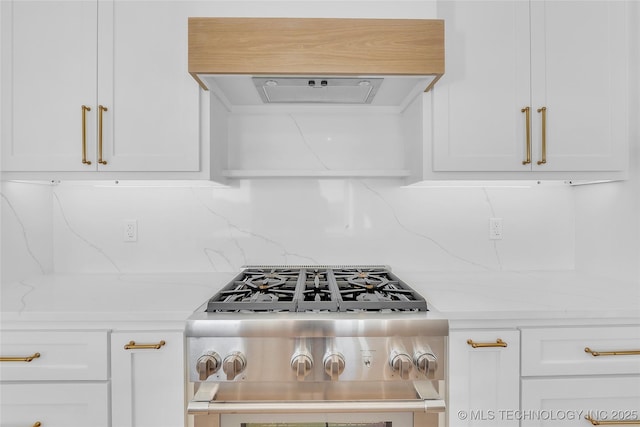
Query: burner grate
(316, 288)
(258, 290)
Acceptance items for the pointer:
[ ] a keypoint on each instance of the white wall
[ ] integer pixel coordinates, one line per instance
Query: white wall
(608, 215)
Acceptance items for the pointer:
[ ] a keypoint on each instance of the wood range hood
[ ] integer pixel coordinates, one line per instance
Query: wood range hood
(253, 61)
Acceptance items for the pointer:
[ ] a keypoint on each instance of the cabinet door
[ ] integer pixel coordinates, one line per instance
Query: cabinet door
(477, 120)
(48, 72)
(148, 384)
(566, 401)
(54, 404)
(483, 381)
(151, 122)
(579, 73)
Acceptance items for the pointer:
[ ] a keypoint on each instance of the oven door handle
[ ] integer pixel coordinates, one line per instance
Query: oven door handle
(303, 406)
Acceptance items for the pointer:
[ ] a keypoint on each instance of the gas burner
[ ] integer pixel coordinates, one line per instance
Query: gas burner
(311, 289)
(258, 290)
(369, 279)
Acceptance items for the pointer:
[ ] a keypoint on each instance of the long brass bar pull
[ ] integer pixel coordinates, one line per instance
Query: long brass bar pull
(84, 135)
(101, 109)
(498, 343)
(612, 353)
(595, 422)
(20, 359)
(133, 346)
(527, 112)
(543, 111)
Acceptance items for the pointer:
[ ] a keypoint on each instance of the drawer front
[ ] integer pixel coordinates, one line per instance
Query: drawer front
(566, 402)
(77, 355)
(54, 405)
(561, 351)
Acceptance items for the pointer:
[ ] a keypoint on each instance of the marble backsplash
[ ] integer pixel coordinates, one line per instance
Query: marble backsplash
(78, 227)
(26, 220)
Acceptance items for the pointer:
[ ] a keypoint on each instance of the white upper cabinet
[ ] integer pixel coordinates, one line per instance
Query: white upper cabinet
(579, 73)
(505, 60)
(49, 67)
(152, 118)
(124, 61)
(477, 123)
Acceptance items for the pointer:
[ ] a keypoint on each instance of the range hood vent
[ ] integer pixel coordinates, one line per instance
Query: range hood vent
(316, 60)
(317, 90)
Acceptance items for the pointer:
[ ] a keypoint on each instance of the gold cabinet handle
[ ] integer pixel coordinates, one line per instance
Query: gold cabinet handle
(133, 346)
(498, 343)
(37, 424)
(20, 359)
(543, 159)
(612, 353)
(527, 112)
(101, 109)
(84, 135)
(595, 422)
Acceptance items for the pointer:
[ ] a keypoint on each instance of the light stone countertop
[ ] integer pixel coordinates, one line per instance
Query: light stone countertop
(536, 296)
(143, 301)
(159, 301)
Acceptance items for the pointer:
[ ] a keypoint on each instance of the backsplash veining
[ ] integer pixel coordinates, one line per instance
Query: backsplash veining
(27, 230)
(307, 221)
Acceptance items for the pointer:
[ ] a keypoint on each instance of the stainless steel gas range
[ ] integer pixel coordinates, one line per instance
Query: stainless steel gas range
(307, 346)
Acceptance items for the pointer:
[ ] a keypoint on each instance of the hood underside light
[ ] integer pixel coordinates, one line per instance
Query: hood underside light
(317, 90)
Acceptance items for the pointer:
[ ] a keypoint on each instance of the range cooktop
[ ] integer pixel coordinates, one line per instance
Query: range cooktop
(316, 289)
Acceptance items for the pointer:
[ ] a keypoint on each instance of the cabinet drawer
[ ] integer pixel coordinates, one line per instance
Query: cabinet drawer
(561, 351)
(564, 402)
(52, 404)
(77, 355)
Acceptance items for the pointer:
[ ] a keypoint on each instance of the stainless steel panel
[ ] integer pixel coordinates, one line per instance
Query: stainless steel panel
(202, 324)
(296, 407)
(269, 359)
(396, 419)
(333, 391)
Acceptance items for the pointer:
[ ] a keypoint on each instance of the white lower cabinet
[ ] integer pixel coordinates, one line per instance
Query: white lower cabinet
(148, 379)
(54, 355)
(54, 404)
(581, 376)
(563, 351)
(484, 371)
(569, 402)
(55, 378)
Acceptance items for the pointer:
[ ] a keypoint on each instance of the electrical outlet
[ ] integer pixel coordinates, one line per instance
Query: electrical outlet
(130, 230)
(495, 228)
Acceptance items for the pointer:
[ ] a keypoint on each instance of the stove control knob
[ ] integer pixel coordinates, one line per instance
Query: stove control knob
(302, 363)
(426, 362)
(333, 365)
(233, 364)
(401, 363)
(208, 364)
